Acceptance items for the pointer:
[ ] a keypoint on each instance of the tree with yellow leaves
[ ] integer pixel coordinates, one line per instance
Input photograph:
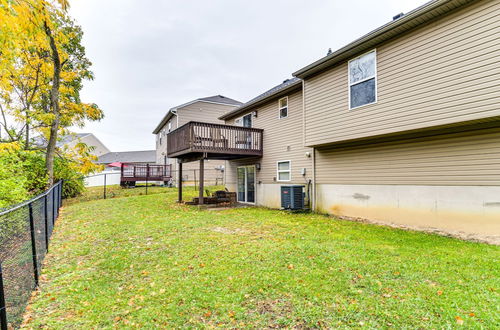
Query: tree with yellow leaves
(41, 73)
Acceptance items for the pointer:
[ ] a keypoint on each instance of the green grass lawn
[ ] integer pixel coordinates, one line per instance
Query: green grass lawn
(144, 261)
(114, 191)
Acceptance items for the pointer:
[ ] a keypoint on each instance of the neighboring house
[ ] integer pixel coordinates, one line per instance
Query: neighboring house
(98, 148)
(402, 126)
(129, 157)
(69, 141)
(285, 160)
(206, 109)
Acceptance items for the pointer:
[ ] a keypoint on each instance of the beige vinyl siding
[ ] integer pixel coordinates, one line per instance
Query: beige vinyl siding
(197, 111)
(279, 134)
(443, 73)
(91, 141)
(204, 112)
(469, 158)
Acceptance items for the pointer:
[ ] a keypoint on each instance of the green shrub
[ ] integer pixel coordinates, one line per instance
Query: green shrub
(13, 181)
(73, 180)
(22, 174)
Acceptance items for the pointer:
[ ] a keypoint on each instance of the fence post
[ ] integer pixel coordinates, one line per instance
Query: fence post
(33, 244)
(147, 176)
(55, 200)
(3, 311)
(53, 207)
(104, 186)
(46, 221)
(60, 192)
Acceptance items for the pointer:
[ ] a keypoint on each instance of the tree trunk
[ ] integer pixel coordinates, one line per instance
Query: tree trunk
(27, 134)
(54, 106)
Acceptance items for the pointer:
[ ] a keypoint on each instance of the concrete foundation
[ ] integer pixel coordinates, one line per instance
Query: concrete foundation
(470, 210)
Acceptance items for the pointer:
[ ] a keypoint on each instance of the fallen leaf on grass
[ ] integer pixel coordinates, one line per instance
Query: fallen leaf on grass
(207, 314)
(459, 320)
(290, 266)
(439, 293)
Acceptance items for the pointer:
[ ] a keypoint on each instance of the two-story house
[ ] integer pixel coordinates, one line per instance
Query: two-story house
(400, 126)
(285, 160)
(206, 109)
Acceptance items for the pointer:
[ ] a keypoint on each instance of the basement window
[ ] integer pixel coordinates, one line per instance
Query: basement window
(363, 80)
(283, 107)
(284, 170)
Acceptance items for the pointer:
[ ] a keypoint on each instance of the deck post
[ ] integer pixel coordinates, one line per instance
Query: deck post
(179, 182)
(202, 170)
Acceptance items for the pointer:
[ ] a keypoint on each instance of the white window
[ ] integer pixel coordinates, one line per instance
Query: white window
(283, 107)
(363, 80)
(284, 170)
(169, 126)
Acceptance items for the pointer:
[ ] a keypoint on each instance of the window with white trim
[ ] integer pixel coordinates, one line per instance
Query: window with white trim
(283, 107)
(284, 170)
(363, 80)
(169, 126)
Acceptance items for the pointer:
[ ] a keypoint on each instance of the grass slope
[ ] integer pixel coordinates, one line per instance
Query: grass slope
(146, 262)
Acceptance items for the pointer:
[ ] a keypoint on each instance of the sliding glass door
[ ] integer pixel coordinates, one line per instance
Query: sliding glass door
(246, 184)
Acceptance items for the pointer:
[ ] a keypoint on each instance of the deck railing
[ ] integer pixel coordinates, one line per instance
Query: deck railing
(215, 139)
(134, 172)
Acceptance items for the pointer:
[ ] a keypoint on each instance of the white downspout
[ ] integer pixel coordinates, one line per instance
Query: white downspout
(314, 179)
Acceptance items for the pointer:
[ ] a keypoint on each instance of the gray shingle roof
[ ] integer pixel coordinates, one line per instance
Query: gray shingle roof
(142, 156)
(285, 85)
(220, 99)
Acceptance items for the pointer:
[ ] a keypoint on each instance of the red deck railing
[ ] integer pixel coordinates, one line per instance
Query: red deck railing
(134, 172)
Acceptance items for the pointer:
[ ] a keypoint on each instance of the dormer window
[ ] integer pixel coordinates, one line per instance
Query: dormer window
(283, 107)
(363, 80)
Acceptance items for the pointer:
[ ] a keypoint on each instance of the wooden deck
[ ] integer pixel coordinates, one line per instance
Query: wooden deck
(134, 172)
(214, 141)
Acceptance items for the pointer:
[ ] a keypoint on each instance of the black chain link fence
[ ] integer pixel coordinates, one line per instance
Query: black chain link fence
(25, 231)
(213, 177)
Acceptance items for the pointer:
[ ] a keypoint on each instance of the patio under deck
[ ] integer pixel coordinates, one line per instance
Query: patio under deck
(199, 141)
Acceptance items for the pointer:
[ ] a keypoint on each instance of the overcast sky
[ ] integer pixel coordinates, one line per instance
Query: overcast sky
(151, 55)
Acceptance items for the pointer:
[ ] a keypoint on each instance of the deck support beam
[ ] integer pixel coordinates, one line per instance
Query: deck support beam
(179, 182)
(202, 172)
